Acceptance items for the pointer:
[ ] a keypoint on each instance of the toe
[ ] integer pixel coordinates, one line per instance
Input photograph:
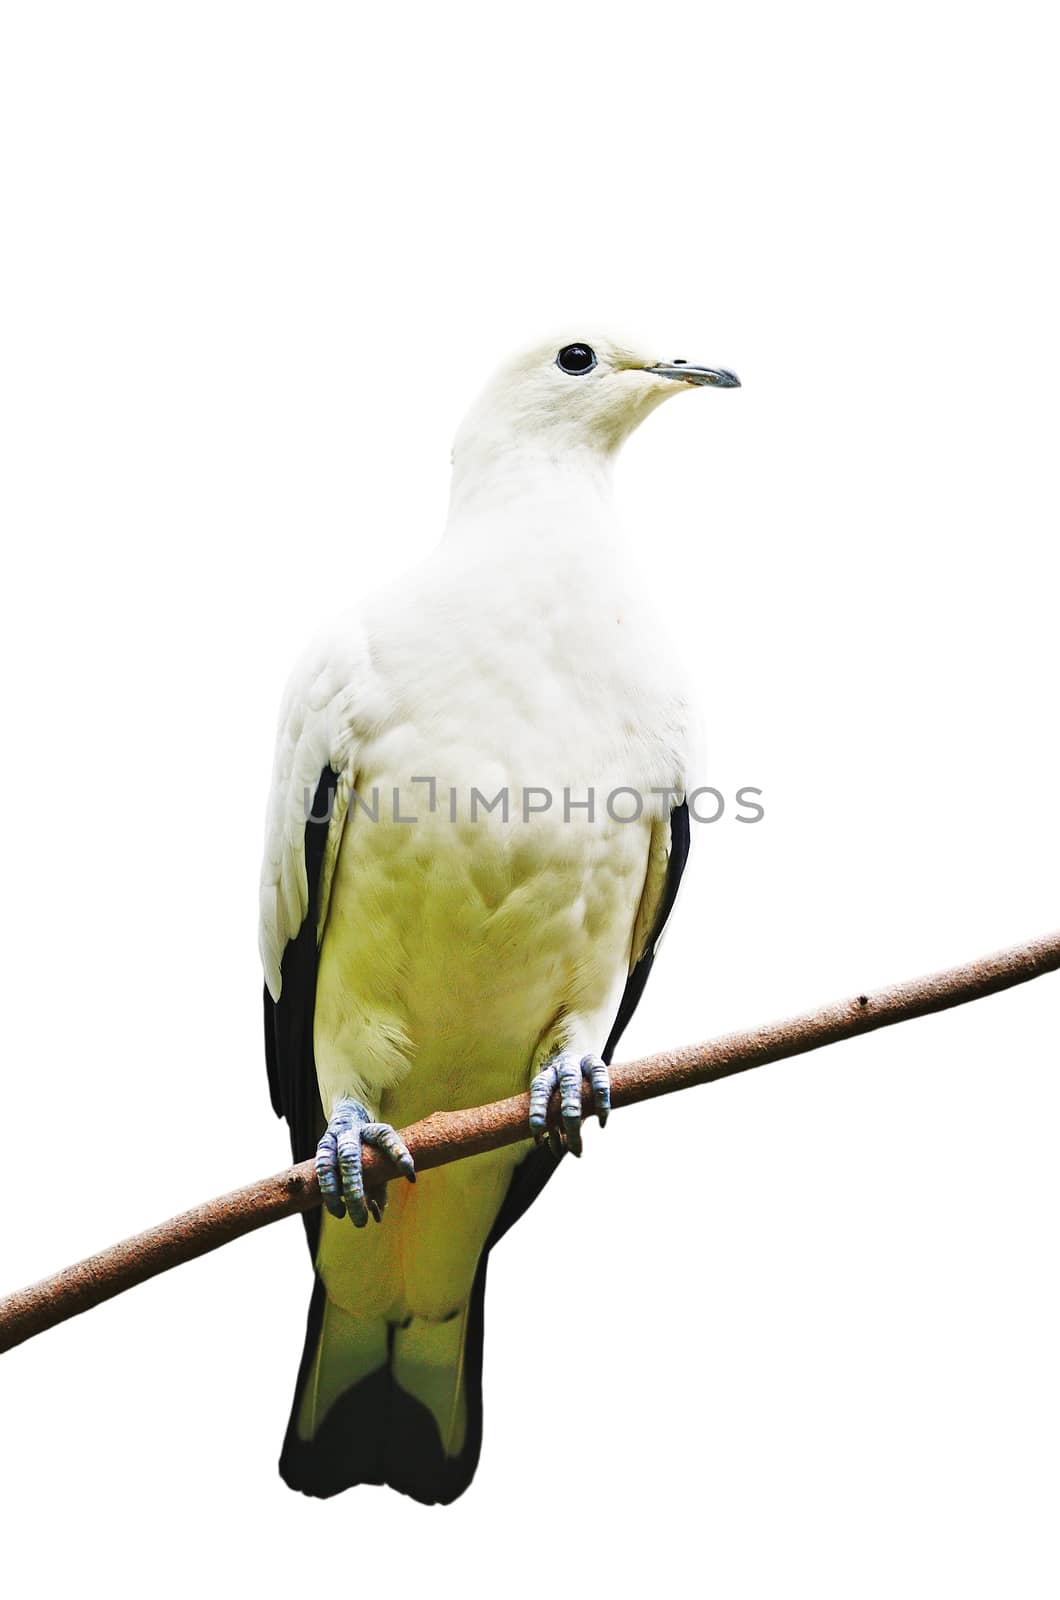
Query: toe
(348, 1144)
(327, 1165)
(381, 1136)
(599, 1078)
(570, 1101)
(541, 1087)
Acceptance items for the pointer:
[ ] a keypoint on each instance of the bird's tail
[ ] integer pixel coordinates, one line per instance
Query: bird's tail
(379, 1402)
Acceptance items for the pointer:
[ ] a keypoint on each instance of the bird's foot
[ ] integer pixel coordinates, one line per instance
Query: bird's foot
(564, 1072)
(338, 1161)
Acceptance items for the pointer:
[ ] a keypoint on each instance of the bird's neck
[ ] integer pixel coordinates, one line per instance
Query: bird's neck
(523, 493)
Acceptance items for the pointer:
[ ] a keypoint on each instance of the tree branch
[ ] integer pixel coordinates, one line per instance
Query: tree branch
(454, 1135)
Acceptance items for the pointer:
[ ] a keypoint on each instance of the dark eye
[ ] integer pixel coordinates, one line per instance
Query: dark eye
(576, 358)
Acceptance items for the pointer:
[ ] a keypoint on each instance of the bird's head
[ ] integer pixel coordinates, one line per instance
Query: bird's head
(575, 395)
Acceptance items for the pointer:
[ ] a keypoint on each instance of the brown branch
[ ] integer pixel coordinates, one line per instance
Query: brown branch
(453, 1135)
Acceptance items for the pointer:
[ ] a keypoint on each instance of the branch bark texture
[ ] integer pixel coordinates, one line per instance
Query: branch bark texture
(454, 1135)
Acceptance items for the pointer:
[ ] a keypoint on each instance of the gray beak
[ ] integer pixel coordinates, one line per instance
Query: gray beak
(701, 377)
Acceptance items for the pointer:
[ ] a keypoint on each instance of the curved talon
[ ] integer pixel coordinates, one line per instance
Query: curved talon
(339, 1162)
(565, 1073)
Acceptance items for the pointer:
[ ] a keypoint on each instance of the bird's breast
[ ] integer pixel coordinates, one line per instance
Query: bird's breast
(470, 915)
(495, 851)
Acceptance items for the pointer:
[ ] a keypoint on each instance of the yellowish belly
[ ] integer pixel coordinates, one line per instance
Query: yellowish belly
(454, 959)
(453, 954)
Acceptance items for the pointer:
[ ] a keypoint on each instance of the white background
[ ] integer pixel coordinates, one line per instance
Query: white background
(257, 261)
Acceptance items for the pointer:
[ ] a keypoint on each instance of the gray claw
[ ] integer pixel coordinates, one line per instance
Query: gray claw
(339, 1161)
(564, 1072)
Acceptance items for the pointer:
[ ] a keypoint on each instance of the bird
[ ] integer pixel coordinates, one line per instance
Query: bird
(476, 828)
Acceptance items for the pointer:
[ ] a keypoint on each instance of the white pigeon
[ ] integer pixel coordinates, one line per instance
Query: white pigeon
(475, 833)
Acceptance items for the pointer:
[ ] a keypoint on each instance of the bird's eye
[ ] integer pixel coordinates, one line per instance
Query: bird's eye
(576, 358)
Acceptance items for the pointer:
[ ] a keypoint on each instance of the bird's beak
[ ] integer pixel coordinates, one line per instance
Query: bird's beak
(701, 377)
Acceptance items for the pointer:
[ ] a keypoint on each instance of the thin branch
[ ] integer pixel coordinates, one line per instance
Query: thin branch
(454, 1135)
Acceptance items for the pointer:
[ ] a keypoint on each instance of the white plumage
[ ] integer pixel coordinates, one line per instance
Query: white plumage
(457, 953)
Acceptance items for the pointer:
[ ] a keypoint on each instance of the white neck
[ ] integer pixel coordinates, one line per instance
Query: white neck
(532, 490)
